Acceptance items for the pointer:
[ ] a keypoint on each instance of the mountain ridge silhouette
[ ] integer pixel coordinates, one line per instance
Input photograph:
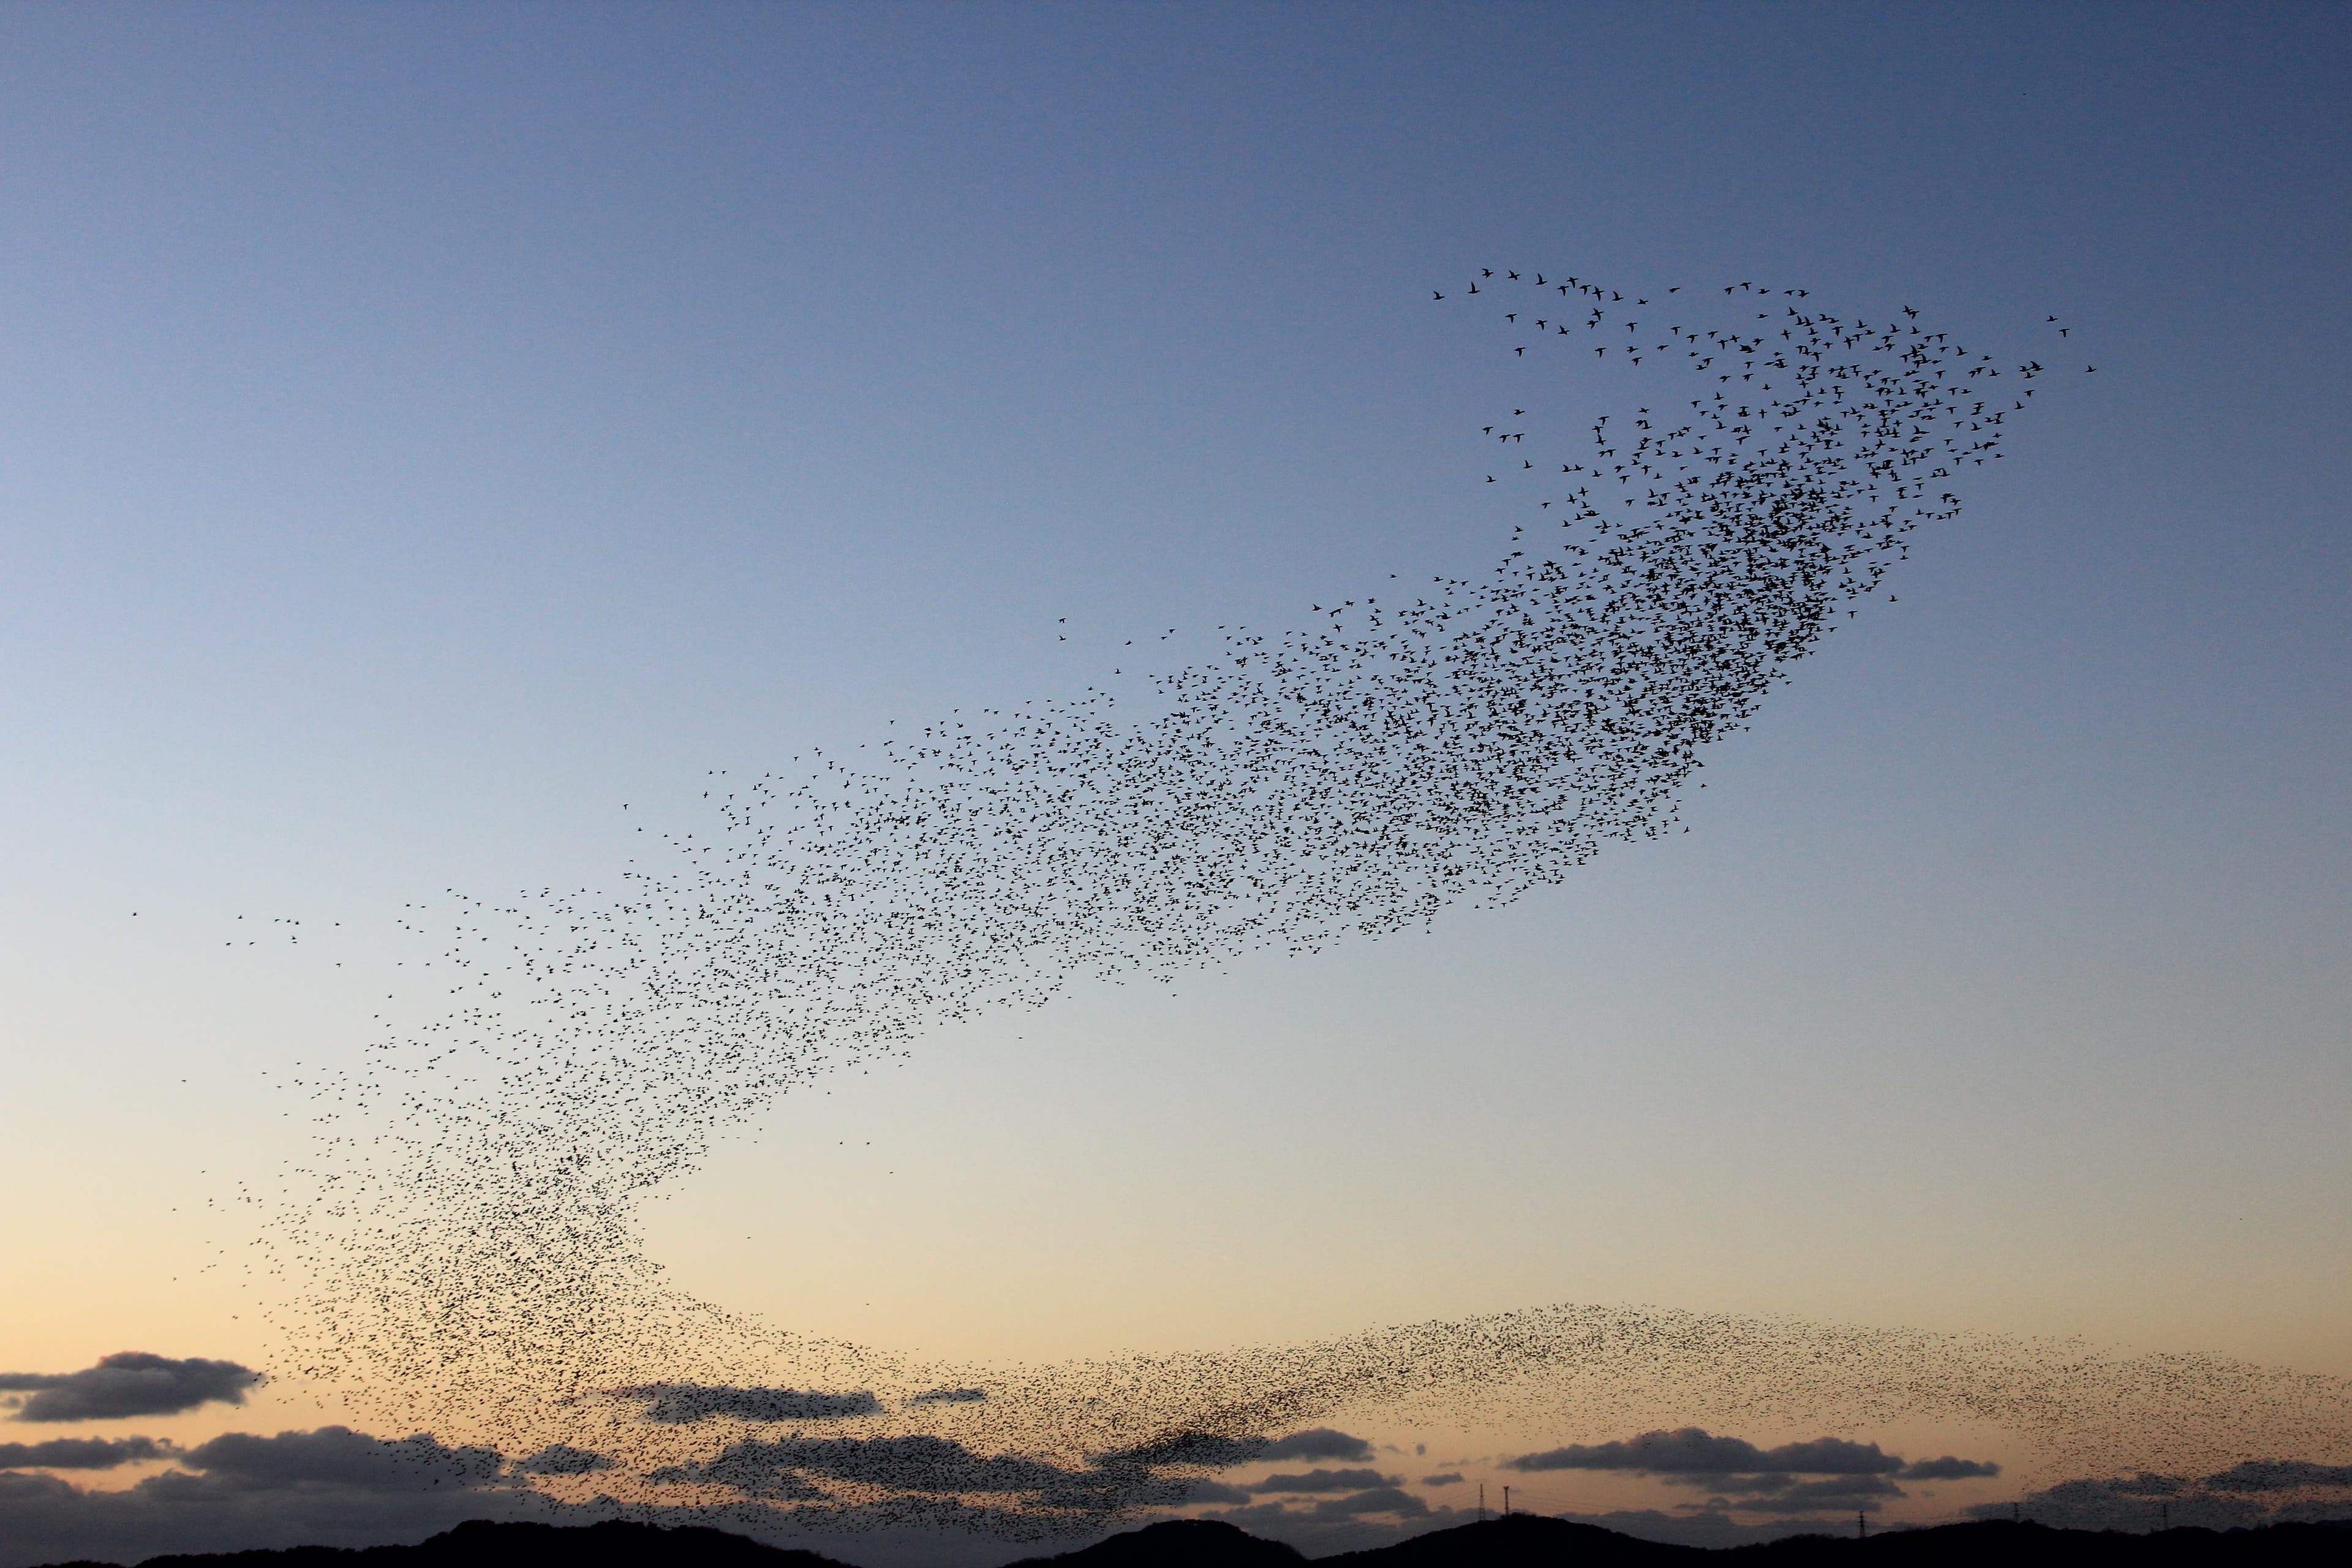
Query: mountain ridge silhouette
(1512, 1541)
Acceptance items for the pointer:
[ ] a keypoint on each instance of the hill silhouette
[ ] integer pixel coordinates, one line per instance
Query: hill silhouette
(1515, 1541)
(506, 1543)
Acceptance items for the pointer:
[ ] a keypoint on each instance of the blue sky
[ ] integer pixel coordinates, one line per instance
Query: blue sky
(425, 429)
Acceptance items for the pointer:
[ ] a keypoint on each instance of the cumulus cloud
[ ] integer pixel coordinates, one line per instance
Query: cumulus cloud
(2278, 1476)
(82, 1453)
(1692, 1451)
(680, 1404)
(1324, 1481)
(562, 1459)
(788, 1469)
(1376, 1499)
(950, 1396)
(1450, 1479)
(1316, 1443)
(2122, 1503)
(1843, 1473)
(244, 1491)
(338, 1456)
(131, 1383)
(2244, 1496)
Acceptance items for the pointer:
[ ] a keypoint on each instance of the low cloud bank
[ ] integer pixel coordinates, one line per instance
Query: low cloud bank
(336, 1487)
(131, 1383)
(1825, 1473)
(2255, 1492)
(82, 1453)
(242, 1490)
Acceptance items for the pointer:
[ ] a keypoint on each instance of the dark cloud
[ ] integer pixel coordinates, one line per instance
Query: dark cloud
(1451, 1477)
(2227, 1500)
(1210, 1451)
(1947, 1469)
(678, 1404)
(1316, 1443)
(1324, 1481)
(767, 1485)
(950, 1396)
(337, 1457)
(332, 1487)
(788, 1469)
(1693, 1456)
(1377, 1499)
(81, 1453)
(562, 1459)
(132, 1382)
(2278, 1476)
(2128, 1504)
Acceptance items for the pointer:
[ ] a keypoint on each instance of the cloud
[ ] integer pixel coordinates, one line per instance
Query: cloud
(1210, 1450)
(1377, 1499)
(1450, 1479)
(82, 1453)
(2278, 1476)
(1692, 1456)
(332, 1487)
(561, 1460)
(941, 1467)
(338, 1456)
(2128, 1503)
(770, 1484)
(2227, 1500)
(950, 1396)
(1317, 1443)
(679, 1404)
(132, 1382)
(1324, 1481)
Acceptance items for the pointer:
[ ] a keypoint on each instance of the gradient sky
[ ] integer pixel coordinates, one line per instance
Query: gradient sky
(425, 429)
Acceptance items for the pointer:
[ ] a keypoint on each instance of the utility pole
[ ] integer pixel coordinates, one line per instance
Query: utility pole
(1482, 1501)
(1507, 1502)
(1861, 1525)
(2164, 1515)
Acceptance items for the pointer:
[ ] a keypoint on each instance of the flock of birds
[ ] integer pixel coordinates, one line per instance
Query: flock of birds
(463, 1247)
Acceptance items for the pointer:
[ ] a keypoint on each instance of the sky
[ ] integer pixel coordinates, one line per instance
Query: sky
(433, 439)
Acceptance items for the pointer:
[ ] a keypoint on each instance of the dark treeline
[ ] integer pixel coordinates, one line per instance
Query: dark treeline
(1518, 1541)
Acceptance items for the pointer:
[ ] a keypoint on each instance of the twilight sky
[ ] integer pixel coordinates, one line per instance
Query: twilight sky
(426, 431)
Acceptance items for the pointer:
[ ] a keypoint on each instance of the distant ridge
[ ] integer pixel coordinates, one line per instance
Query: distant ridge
(1515, 1541)
(506, 1543)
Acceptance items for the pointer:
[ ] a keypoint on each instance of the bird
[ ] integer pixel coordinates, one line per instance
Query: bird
(470, 1223)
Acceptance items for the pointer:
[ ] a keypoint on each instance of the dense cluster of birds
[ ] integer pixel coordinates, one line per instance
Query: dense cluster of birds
(465, 1235)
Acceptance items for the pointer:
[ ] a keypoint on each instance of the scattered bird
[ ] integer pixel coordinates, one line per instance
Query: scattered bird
(470, 1224)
